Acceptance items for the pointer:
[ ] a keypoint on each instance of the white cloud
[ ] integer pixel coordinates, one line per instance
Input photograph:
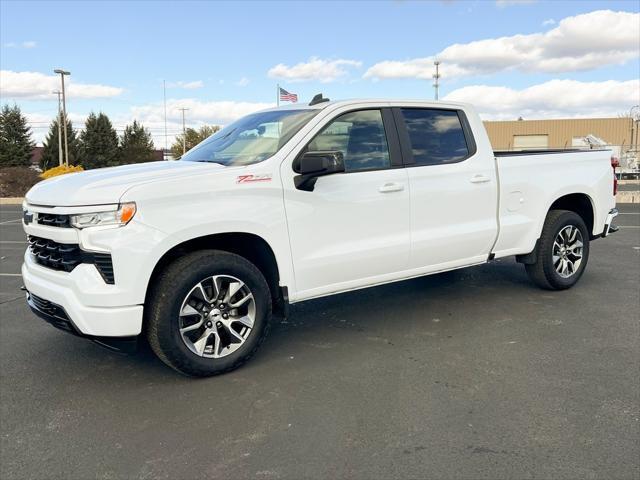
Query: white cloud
(27, 44)
(186, 85)
(243, 82)
(552, 99)
(422, 68)
(315, 69)
(36, 85)
(582, 42)
(199, 113)
(548, 21)
(152, 117)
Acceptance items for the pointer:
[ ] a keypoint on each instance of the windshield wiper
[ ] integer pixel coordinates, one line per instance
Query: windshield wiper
(206, 161)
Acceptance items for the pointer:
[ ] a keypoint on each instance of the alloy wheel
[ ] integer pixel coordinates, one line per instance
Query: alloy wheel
(217, 316)
(567, 251)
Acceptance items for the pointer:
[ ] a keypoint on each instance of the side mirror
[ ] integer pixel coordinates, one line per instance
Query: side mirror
(312, 165)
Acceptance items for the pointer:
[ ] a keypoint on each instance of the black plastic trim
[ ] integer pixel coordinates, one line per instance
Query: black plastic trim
(391, 133)
(531, 257)
(403, 137)
(284, 305)
(472, 148)
(54, 220)
(318, 98)
(69, 256)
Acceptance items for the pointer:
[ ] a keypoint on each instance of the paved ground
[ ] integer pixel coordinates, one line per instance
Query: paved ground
(472, 374)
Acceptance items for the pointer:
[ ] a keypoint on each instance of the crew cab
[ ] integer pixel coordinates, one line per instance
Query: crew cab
(294, 203)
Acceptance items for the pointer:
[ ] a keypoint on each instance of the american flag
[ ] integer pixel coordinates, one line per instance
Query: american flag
(288, 97)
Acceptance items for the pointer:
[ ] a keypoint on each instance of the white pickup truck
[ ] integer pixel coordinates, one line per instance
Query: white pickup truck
(295, 203)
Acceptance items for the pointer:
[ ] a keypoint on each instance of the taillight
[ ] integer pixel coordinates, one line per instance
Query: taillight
(615, 163)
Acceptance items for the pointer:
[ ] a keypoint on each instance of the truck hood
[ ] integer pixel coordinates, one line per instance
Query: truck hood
(107, 185)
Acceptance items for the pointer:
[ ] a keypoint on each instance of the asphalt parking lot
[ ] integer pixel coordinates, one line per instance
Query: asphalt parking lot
(470, 374)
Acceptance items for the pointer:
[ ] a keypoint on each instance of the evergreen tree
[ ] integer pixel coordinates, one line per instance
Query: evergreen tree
(136, 145)
(16, 144)
(194, 137)
(50, 155)
(98, 143)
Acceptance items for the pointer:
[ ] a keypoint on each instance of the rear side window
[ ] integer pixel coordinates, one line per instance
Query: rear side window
(437, 136)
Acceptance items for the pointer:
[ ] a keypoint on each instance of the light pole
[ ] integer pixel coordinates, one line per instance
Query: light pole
(184, 132)
(62, 73)
(436, 77)
(634, 113)
(58, 92)
(164, 94)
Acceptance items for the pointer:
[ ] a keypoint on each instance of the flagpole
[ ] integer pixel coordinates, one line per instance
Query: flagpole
(278, 93)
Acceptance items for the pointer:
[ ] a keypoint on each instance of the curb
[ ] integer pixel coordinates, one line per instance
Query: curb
(628, 197)
(11, 200)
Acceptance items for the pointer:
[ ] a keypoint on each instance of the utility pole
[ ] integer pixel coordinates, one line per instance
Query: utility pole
(634, 113)
(60, 160)
(184, 132)
(436, 78)
(164, 92)
(62, 73)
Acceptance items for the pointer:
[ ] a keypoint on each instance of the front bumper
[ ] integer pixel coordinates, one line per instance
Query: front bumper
(67, 290)
(58, 317)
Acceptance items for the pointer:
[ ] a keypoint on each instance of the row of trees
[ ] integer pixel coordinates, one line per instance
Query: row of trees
(97, 145)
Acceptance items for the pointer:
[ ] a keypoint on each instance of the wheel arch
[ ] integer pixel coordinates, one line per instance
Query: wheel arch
(577, 202)
(248, 245)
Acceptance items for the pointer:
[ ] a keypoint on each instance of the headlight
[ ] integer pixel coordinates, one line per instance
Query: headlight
(120, 217)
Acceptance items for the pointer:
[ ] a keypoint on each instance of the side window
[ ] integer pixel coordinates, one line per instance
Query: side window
(436, 136)
(361, 138)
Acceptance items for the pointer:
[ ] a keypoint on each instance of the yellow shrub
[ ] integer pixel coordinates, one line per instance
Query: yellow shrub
(61, 170)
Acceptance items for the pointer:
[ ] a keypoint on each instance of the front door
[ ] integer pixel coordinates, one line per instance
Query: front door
(352, 230)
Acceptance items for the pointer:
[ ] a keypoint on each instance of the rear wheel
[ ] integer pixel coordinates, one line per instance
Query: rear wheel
(208, 313)
(562, 252)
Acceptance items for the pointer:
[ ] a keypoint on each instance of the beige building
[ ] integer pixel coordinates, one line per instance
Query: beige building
(565, 133)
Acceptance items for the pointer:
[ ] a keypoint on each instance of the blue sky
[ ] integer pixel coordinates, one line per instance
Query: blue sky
(224, 59)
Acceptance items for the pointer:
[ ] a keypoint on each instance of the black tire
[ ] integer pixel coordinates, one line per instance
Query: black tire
(165, 301)
(543, 272)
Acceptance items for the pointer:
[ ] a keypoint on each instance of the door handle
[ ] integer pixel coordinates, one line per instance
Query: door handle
(479, 179)
(391, 187)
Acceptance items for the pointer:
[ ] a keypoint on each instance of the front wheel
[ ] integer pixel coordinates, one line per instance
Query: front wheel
(208, 313)
(562, 252)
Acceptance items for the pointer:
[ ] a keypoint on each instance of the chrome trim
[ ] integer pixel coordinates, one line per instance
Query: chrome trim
(613, 213)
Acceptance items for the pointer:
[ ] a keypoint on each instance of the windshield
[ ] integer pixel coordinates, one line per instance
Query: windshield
(251, 139)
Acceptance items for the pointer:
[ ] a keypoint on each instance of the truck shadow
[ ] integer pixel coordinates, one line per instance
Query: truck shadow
(429, 306)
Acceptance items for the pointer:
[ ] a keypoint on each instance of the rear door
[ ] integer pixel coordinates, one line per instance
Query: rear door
(453, 189)
(352, 230)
